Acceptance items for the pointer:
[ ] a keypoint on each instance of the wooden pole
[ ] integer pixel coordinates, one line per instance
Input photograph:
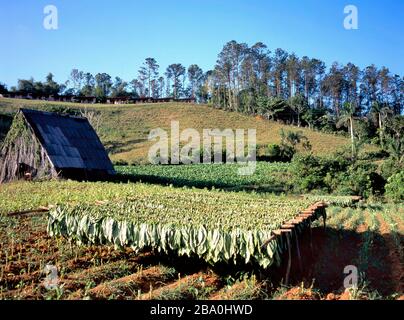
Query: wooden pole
(289, 260)
(311, 238)
(298, 253)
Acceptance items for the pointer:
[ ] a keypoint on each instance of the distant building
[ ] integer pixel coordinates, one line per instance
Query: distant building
(92, 99)
(129, 100)
(62, 98)
(42, 145)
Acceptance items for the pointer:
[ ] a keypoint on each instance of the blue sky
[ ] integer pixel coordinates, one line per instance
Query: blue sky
(116, 36)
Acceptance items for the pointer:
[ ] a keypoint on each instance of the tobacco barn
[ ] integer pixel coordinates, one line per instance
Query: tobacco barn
(44, 145)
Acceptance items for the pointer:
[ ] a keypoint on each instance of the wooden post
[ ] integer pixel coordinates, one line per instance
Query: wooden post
(311, 238)
(289, 260)
(325, 219)
(298, 253)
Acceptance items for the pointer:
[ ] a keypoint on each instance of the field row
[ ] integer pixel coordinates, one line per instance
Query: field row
(268, 177)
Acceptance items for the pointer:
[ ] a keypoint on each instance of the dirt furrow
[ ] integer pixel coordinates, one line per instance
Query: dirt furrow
(393, 256)
(131, 285)
(239, 291)
(198, 285)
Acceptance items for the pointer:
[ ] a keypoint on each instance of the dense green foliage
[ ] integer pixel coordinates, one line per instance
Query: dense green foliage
(336, 174)
(395, 187)
(285, 151)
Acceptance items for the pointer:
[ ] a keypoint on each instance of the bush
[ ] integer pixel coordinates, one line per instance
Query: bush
(120, 163)
(374, 155)
(277, 153)
(316, 173)
(61, 110)
(390, 167)
(336, 174)
(284, 151)
(274, 150)
(359, 179)
(395, 187)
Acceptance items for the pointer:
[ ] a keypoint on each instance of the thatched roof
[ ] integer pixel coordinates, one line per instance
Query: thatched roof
(70, 142)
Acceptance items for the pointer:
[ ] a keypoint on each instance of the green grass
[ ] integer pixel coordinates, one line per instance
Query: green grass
(124, 129)
(245, 288)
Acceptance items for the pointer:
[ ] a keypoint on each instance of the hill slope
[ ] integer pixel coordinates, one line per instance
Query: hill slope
(124, 128)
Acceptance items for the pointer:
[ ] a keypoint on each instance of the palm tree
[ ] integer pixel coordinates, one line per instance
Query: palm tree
(292, 137)
(270, 107)
(382, 113)
(346, 118)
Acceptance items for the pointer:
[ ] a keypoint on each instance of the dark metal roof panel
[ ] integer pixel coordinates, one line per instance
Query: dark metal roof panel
(71, 142)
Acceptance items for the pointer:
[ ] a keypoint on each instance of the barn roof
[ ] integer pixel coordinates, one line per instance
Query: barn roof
(70, 142)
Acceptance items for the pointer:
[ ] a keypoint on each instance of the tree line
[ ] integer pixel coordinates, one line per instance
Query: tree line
(253, 80)
(177, 82)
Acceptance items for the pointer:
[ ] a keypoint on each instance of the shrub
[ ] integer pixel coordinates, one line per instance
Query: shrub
(274, 153)
(277, 153)
(374, 155)
(336, 174)
(311, 172)
(284, 151)
(390, 167)
(359, 179)
(274, 150)
(395, 187)
(120, 162)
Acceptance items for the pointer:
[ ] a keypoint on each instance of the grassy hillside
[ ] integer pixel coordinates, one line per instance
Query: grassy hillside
(124, 128)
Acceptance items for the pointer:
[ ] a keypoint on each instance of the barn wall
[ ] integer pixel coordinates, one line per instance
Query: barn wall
(22, 147)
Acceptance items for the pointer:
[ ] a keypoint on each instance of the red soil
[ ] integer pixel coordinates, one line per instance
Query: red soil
(397, 270)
